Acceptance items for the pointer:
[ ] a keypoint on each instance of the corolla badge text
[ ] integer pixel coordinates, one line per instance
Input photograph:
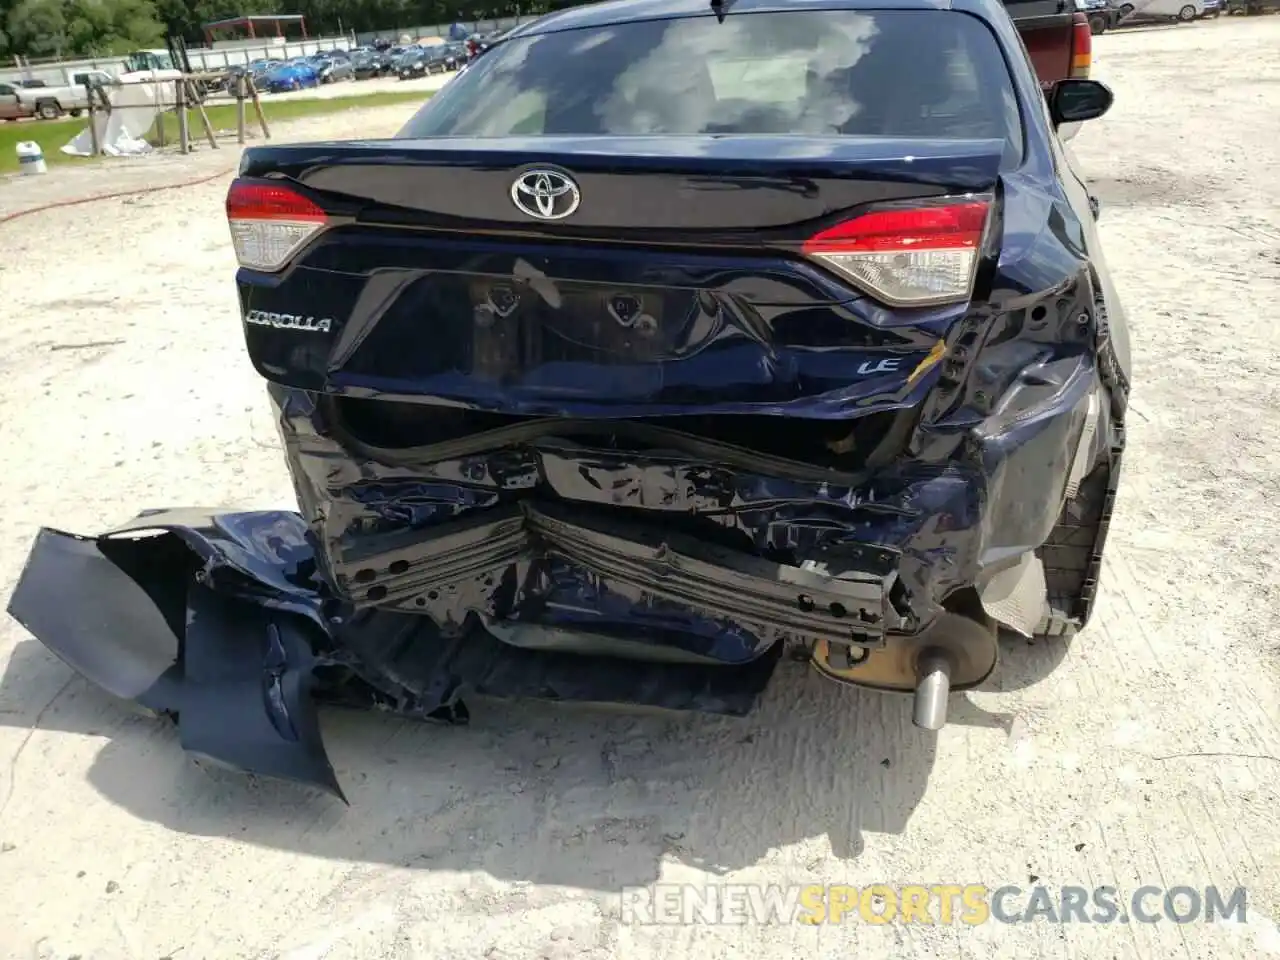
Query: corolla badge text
(289, 321)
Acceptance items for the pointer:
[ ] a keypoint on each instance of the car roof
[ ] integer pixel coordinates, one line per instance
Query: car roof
(627, 11)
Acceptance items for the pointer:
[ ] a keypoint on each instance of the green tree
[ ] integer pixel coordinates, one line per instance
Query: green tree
(106, 27)
(42, 28)
(38, 28)
(71, 28)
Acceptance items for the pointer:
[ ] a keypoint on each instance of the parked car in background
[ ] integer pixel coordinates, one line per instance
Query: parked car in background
(1155, 10)
(1250, 7)
(366, 63)
(332, 68)
(293, 75)
(455, 55)
(232, 76)
(376, 64)
(11, 105)
(411, 64)
(255, 70)
(45, 102)
(1102, 14)
(437, 58)
(258, 70)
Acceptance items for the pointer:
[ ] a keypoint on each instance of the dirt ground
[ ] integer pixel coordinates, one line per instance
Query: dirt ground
(361, 88)
(1143, 753)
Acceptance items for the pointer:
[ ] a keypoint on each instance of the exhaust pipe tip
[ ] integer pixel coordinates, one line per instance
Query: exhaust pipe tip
(933, 686)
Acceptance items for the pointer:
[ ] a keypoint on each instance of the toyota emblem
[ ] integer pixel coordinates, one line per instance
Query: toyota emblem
(545, 194)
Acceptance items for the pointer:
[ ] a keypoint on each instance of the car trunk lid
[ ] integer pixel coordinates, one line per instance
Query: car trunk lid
(693, 275)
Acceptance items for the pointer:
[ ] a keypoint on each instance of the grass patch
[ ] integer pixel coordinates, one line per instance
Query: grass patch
(50, 134)
(223, 115)
(53, 134)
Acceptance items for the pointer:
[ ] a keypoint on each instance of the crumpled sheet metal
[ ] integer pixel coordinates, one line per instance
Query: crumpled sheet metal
(221, 622)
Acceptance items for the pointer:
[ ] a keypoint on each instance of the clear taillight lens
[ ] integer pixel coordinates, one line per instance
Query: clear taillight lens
(270, 223)
(915, 255)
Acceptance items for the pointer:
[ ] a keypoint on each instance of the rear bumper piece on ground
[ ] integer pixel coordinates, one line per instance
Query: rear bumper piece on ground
(219, 621)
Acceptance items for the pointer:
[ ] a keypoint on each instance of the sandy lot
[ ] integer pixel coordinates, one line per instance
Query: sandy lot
(1143, 753)
(357, 88)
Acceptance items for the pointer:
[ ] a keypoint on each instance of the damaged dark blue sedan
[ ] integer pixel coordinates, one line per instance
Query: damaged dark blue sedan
(666, 340)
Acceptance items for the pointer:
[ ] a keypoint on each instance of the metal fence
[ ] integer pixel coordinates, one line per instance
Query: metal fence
(57, 72)
(442, 29)
(203, 59)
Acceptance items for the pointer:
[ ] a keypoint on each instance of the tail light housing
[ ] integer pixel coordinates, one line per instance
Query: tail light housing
(916, 254)
(270, 222)
(1081, 47)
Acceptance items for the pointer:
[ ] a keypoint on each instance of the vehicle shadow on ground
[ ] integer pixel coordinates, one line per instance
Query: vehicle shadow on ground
(580, 797)
(1143, 27)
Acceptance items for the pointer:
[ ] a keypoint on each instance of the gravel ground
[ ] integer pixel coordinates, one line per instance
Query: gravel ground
(1145, 752)
(167, 167)
(360, 88)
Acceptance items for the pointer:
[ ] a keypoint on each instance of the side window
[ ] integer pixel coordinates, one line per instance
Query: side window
(6, 90)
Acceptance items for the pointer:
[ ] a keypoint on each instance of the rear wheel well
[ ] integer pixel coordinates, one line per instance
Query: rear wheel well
(1072, 556)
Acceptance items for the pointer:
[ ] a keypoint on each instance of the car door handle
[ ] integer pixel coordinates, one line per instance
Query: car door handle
(1095, 206)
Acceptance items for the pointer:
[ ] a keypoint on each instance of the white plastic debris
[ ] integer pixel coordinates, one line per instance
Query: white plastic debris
(135, 108)
(31, 158)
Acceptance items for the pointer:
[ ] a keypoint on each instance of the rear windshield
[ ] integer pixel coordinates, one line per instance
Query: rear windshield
(908, 73)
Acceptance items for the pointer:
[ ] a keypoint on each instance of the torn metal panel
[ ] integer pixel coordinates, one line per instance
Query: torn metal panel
(659, 575)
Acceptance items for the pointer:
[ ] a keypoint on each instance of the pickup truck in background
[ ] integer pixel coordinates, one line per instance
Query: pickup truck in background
(1056, 35)
(1059, 41)
(17, 101)
(11, 108)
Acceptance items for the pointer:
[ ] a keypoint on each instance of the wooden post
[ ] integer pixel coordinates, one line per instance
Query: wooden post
(204, 117)
(160, 113)
(257, 107)
(240, 81)
(93, 126)
(184, 132)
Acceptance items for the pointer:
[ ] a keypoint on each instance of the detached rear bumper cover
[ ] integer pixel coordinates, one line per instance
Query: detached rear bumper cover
(221, 622)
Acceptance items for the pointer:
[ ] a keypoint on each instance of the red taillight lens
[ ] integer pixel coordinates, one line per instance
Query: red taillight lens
(1081, 48)
(270, 222)
(920, 254)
